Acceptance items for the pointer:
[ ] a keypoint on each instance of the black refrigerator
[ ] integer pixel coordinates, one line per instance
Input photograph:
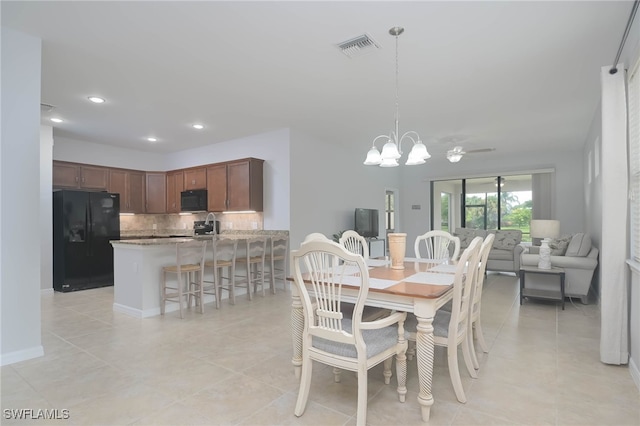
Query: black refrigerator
(83, 225)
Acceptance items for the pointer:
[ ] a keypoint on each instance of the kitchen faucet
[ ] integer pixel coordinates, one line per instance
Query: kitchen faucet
(206, 221)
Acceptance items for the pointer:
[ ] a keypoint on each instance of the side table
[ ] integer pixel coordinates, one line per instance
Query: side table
(541, 294)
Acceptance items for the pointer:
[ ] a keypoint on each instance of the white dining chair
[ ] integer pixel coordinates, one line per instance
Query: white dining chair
(276, 260)
(436, 245)
(475, 324)
(253, 262)
(355, 243)
(224, 258)
(450, 328)
(320, 267)
(189, 272)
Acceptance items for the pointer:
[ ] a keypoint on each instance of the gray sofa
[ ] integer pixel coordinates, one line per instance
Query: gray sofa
(505, 252)
(573, 253)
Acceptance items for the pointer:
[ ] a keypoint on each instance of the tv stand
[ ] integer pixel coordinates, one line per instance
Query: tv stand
(377, 247)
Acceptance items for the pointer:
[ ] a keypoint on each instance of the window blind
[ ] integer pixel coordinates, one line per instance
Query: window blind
(634, 158)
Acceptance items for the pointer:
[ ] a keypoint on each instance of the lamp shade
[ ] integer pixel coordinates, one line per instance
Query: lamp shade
(390, 151)
(545, 228)
(373, 157)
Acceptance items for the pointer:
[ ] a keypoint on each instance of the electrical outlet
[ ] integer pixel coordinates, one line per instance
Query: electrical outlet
(230, 225)
(254, 225)
(155, 226)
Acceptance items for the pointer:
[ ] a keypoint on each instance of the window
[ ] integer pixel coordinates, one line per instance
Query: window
(389, 212)
(496, 202)
(634, 158)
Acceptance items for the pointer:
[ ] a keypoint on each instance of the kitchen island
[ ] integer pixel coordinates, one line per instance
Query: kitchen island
(138, 271)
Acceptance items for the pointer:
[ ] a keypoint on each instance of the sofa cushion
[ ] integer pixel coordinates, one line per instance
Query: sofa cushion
(579, 246)
(467, 235)
(498, 254)
(559, 245)
(506, 239)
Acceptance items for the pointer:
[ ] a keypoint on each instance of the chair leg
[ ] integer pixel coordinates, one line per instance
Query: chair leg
(454, 373)
(468, 360)
(164, 292)
(180, 295)
(336, 374)
(305, 384)
(201, 291)
(361, 413)
(386, 372)
(480, 336)
(401, 375)
(472, 350)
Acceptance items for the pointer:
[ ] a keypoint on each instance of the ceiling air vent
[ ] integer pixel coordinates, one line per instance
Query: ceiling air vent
(46, 108)
(358, 46)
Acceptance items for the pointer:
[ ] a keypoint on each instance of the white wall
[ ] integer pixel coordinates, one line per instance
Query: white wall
(65, 149)
(569, 185)
(272, 147)
(328, 181)
(20, 195)
(46, 209)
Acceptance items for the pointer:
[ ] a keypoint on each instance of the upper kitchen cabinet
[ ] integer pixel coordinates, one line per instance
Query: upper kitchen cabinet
(235, 186)
(72, 175)
(195, 178)
(156, 189)
(130, 185)
(175, 185)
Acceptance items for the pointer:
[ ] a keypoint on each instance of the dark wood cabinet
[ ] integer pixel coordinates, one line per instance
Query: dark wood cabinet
(195, 179)
(79, 176)
(175, 182)
(236, 185)
(130, 185)
(217, 187)
(231, 186)
(156, 192)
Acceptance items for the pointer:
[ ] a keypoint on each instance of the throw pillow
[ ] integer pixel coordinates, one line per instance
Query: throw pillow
(465, 235)
(507, 239)
(559, 246)
(580, 245)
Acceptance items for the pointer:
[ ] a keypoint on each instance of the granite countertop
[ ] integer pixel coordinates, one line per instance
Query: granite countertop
(236, 234)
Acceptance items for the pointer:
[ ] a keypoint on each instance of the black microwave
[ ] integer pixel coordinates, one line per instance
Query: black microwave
(193, 201)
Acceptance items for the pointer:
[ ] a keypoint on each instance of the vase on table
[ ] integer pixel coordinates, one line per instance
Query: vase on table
(397, 247)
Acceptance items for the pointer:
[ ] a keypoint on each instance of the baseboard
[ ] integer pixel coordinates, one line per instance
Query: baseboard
(46, 291)
(146, 313)
(635, 372)
(22, 355)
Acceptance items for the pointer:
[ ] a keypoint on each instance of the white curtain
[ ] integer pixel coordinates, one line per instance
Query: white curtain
(614, 276)
(543, 195)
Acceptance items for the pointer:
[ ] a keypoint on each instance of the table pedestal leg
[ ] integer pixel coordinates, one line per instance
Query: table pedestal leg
(425, 355)
(297, 327)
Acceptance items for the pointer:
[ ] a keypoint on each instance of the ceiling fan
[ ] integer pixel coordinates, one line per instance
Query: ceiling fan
(454, 155)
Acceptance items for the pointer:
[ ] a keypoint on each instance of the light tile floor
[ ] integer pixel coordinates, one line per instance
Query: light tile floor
(233, 366)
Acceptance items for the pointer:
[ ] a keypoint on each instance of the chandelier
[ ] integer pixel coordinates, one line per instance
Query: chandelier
(391, 150)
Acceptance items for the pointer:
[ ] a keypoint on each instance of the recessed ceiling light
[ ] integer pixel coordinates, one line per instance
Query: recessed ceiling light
(96, 99)
(198, 126)
(152, 139)
(56, 120)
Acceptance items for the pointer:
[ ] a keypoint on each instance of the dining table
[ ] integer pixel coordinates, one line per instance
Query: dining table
(422, 287)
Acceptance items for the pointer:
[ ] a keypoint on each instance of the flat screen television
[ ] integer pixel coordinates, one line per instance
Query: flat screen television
(366, 222)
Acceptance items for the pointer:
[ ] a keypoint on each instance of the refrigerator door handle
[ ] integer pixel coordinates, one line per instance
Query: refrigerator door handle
(89, 217)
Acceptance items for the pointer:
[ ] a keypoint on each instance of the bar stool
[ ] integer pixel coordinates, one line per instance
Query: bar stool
(224, 257)
(277, 260)
(253, 260)
(189, 270)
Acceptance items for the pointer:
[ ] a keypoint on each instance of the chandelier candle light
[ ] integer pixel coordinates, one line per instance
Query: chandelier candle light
(391, 151)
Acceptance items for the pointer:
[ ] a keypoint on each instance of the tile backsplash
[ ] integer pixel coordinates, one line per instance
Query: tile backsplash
(173, 223)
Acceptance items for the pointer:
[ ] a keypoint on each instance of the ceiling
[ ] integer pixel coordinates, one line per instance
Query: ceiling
(510, 75)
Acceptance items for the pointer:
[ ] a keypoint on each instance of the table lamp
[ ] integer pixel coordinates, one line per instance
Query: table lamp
(545, 229)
